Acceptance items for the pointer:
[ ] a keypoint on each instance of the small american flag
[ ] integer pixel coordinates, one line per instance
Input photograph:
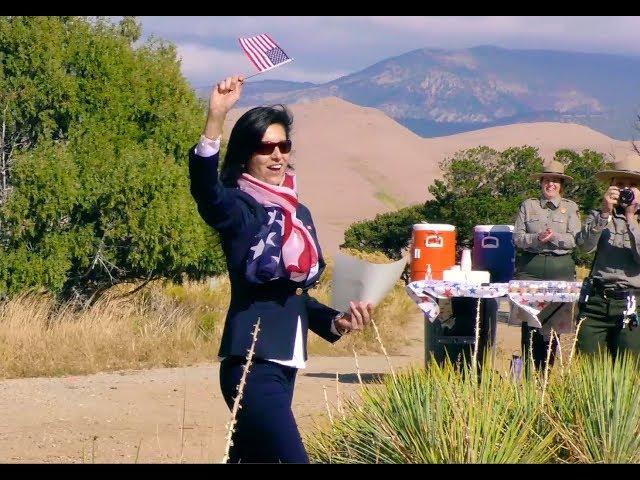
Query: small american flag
(263, 52)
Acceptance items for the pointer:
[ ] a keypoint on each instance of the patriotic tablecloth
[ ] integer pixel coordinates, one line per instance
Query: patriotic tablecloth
(531, 297)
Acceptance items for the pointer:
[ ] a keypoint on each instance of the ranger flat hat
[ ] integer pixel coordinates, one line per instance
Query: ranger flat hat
(628, 167)
(552, 169)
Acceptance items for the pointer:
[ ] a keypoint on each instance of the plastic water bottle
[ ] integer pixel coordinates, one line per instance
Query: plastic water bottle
(515, 368)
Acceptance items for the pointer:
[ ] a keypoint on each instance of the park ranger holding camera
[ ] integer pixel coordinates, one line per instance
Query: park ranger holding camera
(607, 315)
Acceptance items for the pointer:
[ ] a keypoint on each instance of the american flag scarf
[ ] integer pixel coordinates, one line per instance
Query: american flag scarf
(284, 247)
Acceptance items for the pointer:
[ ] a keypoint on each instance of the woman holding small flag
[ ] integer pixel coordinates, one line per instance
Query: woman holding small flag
(273, 258)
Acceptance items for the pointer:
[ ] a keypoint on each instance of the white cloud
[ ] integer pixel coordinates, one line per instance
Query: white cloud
(203, 27)
(325, 48)
(204, 65)
(590, 34)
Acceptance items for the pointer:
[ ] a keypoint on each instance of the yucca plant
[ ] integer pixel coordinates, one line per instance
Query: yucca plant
(439, 415)
(595, 408)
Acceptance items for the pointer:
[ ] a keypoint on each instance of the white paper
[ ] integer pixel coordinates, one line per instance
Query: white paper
(358, 280)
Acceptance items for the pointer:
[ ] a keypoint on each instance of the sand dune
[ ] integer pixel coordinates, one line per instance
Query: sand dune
(354, 162)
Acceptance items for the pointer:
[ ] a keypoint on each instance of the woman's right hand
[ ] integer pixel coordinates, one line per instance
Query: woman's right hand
(610, 200)
(224, 96)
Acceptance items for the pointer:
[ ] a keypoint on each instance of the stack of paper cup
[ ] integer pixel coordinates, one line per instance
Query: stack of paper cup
(465, 260)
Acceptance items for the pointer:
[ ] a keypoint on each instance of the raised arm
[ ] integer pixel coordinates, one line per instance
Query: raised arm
(588, 237)
(223, 97)
(631, 214)
(216, 204)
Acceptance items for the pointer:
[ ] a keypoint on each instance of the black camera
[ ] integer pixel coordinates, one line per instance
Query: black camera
(626, 197)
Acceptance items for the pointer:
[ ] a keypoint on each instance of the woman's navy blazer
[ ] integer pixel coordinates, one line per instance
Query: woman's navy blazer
(237, 217)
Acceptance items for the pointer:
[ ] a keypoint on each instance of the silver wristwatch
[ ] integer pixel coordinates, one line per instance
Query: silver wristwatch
(338, 317)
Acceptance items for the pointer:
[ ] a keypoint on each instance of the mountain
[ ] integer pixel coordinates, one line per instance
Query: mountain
(354, 162)
(436, 92)
(258, 92)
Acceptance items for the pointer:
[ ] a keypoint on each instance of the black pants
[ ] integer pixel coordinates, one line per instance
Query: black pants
(533, 266)
(266, 431)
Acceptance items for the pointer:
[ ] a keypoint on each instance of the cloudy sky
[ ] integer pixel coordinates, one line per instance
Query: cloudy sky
(325, 48)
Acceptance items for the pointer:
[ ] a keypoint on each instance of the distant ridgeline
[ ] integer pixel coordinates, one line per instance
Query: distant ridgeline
(436, 92)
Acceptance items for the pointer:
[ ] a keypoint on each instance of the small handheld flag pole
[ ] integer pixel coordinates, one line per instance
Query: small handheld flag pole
(263, 71)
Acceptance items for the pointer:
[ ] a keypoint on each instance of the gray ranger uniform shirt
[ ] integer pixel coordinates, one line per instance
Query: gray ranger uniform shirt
(536, 215)
(618, 256)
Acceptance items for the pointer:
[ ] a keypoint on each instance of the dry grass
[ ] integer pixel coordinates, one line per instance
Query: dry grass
(581, 273)
(150, 329)
(162, 325)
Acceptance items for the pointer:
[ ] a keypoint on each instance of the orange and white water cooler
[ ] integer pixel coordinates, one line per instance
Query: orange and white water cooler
(433, 249)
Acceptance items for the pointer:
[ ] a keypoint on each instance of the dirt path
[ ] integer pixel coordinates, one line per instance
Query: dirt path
(165, 414)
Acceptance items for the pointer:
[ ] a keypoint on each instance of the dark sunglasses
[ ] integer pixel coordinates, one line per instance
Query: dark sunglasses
(267, 148)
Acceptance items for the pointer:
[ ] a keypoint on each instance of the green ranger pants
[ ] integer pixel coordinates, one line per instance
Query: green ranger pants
(533, 266)
(601, 327)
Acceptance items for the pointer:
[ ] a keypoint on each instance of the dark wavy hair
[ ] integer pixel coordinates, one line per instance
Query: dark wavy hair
(246, 136)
